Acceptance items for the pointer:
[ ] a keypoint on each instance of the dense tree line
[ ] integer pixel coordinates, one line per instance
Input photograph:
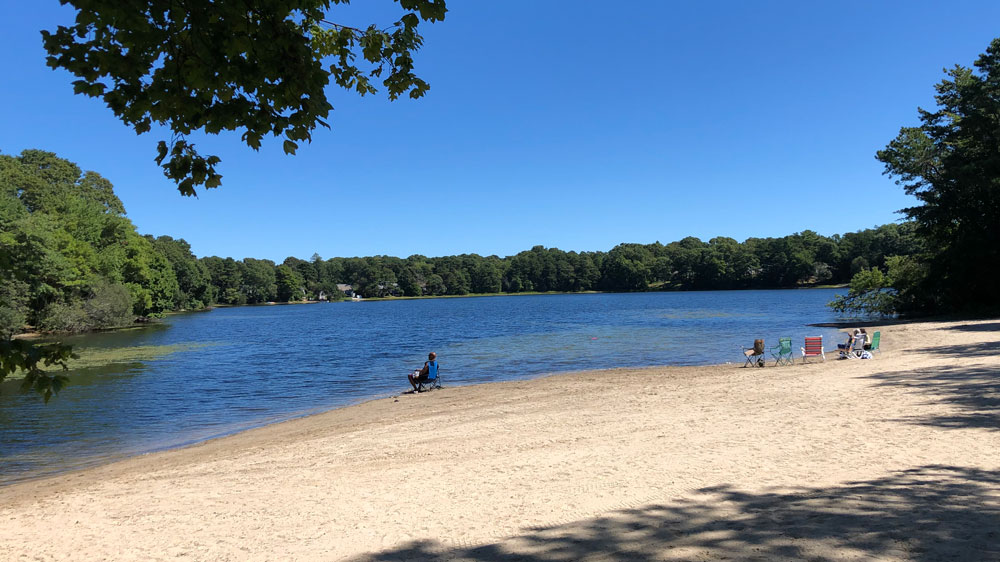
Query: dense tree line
(70, 260)
(796, 260)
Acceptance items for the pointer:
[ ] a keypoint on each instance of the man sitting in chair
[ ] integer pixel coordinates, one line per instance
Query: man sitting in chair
(422, 375)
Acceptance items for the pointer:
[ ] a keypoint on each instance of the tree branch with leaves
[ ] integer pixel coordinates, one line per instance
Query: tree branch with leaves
(21, 355)
(256, 67)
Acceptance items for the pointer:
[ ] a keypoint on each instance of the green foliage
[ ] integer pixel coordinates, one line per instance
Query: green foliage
(908, 276)
(68, 248)
(259, 281)
(63, 317)
(13, 307)
(194, 284)
(227, 279)
(261, 68)
(873, 293)
(869, 295)
(625, 268)
(484, 277)
(410, 286)
(950, 164)
(800, 259)
(149, 276)
(109, 305)
(289, 284)
(31, 360)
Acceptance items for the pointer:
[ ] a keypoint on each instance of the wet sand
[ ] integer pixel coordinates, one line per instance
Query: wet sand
(895, 458)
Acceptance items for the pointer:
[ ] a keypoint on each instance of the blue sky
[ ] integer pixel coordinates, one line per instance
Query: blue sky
(577, 125)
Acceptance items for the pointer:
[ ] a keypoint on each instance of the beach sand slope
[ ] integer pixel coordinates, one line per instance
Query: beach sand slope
(895, 458)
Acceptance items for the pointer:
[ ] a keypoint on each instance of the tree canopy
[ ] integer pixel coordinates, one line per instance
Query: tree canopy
(951, 164)
(70, 259)
(202, 66)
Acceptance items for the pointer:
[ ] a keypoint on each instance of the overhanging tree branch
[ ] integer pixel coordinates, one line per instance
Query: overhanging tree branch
(259, 67)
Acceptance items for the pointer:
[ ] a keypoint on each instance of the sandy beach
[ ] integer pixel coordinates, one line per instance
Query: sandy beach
(895, 458)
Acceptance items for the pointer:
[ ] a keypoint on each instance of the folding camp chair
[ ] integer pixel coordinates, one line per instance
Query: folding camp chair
(813, 348)
(856, 349)
(433, 377)
(875, 341)
(782, 352)
(755, 354)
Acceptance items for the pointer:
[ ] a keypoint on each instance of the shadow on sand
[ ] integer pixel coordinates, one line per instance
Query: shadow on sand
(872, 323)
(851, 324)
(988, 327)
(974, 390)
(977, 349)
(925, 513)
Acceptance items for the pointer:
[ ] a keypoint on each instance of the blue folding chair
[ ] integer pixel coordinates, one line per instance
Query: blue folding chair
(433, 377)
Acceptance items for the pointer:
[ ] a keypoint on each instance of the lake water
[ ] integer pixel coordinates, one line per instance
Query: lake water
(257, 365)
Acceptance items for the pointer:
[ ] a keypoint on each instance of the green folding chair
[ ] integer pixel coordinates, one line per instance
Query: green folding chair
(782, 352)
(874, 345)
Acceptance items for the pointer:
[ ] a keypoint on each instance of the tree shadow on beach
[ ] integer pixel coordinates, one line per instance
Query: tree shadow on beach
(988, 327)
(974, 390)
(925, 513)
(977, 349)
(870, 323)
(875, 323)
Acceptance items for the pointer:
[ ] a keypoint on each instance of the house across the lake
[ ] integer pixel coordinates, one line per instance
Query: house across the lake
(346, 289)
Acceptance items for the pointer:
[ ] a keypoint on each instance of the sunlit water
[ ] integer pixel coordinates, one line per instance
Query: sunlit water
(266, 364)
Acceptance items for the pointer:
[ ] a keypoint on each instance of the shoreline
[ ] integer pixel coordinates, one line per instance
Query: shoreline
(845, 458)
(316, 412)
(536, 293)
(293, 417)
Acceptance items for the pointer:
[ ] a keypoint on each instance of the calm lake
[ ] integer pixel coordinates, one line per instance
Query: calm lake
(239, 368)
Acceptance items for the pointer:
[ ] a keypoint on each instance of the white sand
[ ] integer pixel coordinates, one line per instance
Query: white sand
(896, 458)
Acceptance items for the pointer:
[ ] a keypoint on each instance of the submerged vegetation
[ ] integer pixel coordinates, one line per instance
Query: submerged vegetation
(91, 357)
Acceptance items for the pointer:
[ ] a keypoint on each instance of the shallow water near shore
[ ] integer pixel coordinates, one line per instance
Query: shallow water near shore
(239, 368)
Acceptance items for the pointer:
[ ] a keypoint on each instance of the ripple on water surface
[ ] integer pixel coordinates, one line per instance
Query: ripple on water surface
(235, 368)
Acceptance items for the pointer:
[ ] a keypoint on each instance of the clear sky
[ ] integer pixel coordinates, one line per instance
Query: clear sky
(577, 125)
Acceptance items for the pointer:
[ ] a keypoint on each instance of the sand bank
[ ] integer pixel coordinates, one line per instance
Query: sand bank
(896, 458)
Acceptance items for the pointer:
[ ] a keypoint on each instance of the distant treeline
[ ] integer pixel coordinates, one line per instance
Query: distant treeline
(796, 260)
(70, 260)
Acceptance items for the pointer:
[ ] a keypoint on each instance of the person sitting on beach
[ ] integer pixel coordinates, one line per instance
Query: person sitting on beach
(850, 340)
(420, 375)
